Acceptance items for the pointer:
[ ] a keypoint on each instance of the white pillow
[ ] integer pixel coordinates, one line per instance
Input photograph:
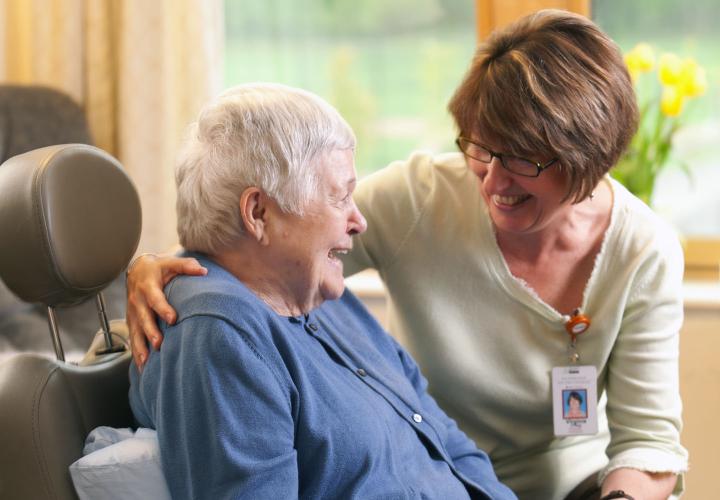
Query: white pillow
(119, 464)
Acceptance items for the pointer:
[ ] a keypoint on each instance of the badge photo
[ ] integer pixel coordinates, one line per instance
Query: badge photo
(574, 404)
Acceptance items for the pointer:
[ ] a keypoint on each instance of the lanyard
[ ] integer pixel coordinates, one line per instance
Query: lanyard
(575, 325)
(574, 387)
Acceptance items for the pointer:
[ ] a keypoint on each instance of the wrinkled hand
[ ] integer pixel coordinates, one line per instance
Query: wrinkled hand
(146, 279)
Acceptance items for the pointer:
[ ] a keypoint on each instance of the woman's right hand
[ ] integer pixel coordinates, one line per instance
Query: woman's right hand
(146, 278)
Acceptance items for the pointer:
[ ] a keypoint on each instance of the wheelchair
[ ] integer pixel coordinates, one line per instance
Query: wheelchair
(70, 221)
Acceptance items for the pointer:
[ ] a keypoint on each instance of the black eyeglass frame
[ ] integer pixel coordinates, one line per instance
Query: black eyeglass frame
(501, 156)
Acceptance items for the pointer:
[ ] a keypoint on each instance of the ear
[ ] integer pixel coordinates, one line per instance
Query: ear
(254, 213)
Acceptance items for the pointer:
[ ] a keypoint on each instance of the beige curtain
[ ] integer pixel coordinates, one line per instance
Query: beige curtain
(140, 68)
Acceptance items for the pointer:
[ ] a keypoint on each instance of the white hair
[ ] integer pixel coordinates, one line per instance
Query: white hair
(264, 135)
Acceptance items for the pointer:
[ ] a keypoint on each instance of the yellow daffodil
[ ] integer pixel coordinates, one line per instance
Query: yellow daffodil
(640, 59)
(651, 148)
(693, 81)
(672, 100)
(669, 69)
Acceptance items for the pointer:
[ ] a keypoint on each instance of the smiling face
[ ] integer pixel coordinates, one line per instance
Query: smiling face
(517, 204)
(574, 405)
(305, 248)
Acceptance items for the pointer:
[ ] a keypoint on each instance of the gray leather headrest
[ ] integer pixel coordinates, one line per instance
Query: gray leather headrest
(69, 223)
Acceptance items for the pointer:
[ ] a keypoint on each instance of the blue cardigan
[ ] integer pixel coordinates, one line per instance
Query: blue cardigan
(250, 404)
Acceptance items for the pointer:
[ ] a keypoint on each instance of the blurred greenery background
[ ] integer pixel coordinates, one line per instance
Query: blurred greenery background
(390, 67)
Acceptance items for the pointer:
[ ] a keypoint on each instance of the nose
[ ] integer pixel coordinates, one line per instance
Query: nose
(356, 221)
(496, 177)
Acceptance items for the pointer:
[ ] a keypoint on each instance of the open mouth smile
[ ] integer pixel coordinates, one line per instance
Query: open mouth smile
(509, 201)
(335, 253)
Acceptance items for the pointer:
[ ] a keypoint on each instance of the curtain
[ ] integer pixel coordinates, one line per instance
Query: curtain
(141, 70)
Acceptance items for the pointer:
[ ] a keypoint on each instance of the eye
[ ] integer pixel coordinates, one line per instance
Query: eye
(347, 198)
(341, 201)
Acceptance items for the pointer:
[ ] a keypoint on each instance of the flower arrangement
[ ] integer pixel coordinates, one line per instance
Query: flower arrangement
(660, 115)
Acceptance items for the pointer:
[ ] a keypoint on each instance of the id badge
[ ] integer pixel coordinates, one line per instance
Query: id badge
(574, 395)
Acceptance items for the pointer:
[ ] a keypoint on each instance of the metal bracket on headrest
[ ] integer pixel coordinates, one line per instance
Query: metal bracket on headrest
(55, 333)
(104, 325)
(102, 316)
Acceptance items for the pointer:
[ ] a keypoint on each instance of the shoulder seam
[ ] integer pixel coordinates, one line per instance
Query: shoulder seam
(250, 344)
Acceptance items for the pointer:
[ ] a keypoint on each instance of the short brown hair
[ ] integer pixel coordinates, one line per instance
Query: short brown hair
(552, 82)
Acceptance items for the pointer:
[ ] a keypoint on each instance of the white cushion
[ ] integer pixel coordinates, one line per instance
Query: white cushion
(120, 464)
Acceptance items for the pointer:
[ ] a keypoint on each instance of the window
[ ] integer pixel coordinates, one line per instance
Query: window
(389, 67)
(687, 29)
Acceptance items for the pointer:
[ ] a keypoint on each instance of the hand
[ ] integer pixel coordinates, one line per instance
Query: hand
(146, 279)
(640, 484)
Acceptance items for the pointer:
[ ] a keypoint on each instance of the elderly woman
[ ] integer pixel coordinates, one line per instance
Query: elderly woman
(518, 269)
(273, 383)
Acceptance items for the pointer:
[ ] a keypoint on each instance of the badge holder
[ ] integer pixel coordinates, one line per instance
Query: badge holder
(574, 387)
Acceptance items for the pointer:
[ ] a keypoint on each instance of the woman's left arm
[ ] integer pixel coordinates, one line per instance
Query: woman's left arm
(644, 407)
(644, 485)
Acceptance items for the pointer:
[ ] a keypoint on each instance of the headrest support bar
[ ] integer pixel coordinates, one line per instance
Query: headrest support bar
(55, 334)
(105, 327)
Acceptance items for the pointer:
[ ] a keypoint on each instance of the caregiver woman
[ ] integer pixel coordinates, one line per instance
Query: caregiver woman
(519, 262)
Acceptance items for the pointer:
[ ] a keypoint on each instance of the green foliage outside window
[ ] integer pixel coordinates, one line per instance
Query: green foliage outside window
(389, 67)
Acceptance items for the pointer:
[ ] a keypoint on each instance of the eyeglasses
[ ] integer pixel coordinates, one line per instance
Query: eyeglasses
(514, 164)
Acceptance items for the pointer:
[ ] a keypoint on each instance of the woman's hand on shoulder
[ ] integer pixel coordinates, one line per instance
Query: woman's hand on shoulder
(146, 278)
